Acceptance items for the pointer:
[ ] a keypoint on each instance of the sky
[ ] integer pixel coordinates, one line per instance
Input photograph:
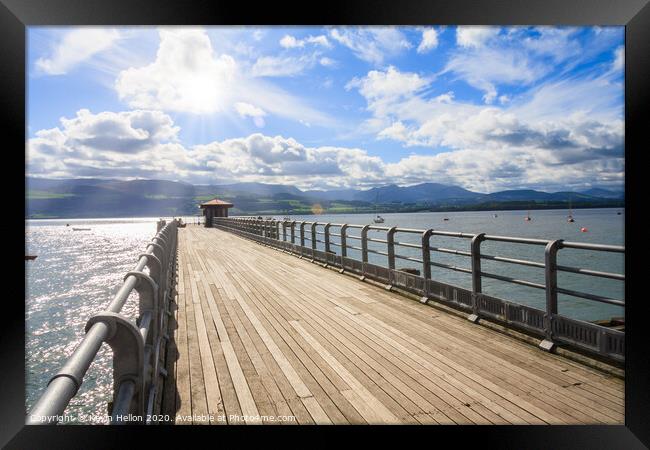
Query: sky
(485, 108)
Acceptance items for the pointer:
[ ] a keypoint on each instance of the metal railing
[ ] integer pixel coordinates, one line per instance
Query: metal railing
(138, 347)
(303, 238)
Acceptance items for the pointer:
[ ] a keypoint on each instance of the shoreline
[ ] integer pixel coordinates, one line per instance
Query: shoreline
(327, 213)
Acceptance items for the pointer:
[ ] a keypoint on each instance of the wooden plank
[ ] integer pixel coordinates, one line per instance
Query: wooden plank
(266, 379)
(322, 410)
(197, 388)
(210, 380)
(291, 338)
(478, 418)
(378, 413)
(323, 365)
(336, 407)
(245, 397)
(183, 403)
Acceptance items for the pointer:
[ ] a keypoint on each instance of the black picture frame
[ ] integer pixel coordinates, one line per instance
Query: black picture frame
(16, 15)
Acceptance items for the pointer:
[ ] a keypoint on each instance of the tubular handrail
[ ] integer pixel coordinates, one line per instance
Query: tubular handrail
(137, 346)
(554, 324)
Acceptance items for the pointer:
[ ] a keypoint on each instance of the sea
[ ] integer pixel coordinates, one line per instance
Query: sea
(77, 273)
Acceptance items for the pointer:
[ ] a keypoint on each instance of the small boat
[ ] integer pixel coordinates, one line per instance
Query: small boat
(569, 218)
(30, 257)
(378, 218)
(80, 229)
(445, 218)
(494, 215)
(528, 218)
(618, 213)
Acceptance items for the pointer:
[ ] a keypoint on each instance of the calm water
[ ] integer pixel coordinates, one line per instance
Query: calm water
(77, 273)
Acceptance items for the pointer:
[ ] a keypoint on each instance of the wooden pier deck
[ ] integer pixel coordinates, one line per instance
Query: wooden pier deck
(260, 335)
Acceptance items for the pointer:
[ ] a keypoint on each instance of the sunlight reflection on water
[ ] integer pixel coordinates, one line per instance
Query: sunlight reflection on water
(76, 275)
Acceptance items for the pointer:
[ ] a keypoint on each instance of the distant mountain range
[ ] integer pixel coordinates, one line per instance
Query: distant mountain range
(141, 198)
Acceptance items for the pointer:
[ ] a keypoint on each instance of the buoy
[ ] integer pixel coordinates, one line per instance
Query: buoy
(583, 230)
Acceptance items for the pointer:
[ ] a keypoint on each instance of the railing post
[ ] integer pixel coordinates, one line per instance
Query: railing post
(477, 287)
(426, 264)
(129, 363)
(313, 238)
(550, 272)
(293, 232)
(426, 254)
(364, 251)
(390, 247)
(302, 233)
(284, 231)
(327, 237)
(344, 243)
(344, 247)
(364, 244)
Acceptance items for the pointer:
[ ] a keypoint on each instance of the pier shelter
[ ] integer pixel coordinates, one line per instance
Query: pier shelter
(214, 208)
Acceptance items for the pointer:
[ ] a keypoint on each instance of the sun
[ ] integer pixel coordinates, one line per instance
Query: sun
(201, 93)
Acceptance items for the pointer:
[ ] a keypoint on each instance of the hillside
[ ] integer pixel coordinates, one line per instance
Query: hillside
(142, 198)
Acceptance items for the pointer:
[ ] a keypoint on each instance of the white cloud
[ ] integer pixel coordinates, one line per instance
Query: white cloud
(390, 83)
(184, 77)
(129, 143)
(143, 144)
(489, 67)
(327, 62)
(487, 58)
(555, 42)
(75, 47)
(619, 59)
(492, 149)
(372, 44)
(319, 40)
(289, 41)
(187, 76)
(475, 36)
(397, 131)
(282, 66)
(564, 134)
(429, 40)
(248, 110)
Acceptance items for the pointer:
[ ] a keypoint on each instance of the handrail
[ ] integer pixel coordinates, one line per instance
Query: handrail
(555, 327)
(137, 347)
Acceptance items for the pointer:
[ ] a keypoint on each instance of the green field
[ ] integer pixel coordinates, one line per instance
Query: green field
(43, 195)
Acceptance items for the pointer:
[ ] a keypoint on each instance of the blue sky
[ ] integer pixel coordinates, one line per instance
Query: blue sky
(486, 108)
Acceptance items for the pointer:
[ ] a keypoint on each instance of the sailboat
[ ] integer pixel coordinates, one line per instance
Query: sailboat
(378, 218)
(569, 218)
(528, 218)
